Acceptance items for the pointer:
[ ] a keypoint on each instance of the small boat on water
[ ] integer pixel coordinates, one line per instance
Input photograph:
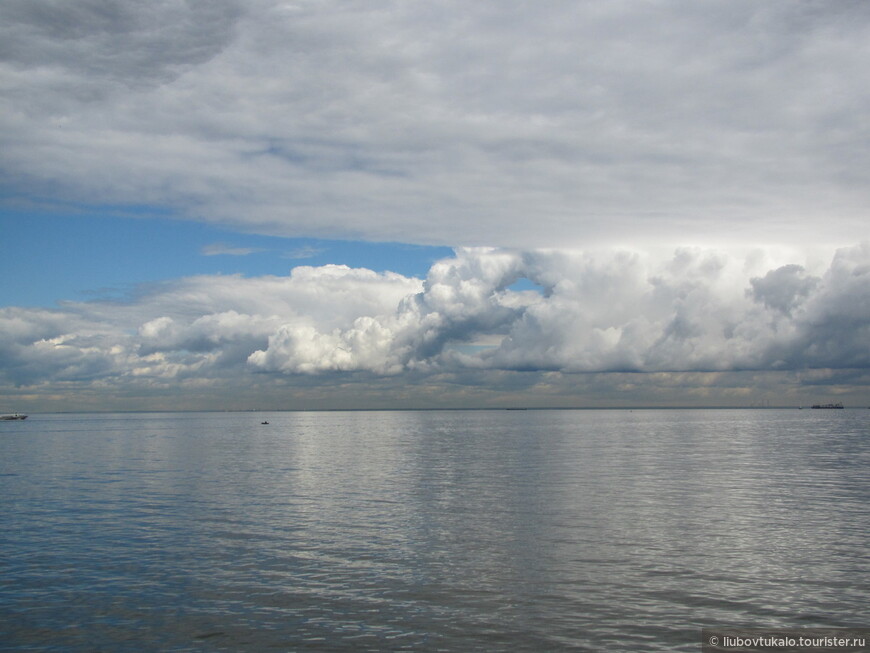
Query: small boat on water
(10, 417)
(837, 405)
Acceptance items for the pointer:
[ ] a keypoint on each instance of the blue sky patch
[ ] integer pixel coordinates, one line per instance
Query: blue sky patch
(52, 257)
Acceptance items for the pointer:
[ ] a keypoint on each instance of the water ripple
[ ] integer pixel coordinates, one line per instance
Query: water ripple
(465, 531)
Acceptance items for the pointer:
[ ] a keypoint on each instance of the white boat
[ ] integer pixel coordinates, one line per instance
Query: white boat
(12, 416)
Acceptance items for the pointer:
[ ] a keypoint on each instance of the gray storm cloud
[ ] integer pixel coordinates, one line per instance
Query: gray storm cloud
(487, 123)
(606, 311)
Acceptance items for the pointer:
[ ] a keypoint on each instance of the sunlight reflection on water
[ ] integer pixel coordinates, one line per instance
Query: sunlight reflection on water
(466, 530)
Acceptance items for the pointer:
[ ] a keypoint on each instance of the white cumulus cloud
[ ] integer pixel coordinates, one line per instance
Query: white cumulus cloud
(607, 312)
(625, 314)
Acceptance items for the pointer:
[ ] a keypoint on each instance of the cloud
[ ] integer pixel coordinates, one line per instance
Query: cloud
(604, 312)
(218, 249)
(306, 251)
(507, 124)
(784, 289)
(693, 317)
(203, 326)
(107, 43)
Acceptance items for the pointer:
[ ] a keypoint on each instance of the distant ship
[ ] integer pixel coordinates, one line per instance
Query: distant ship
(12, 416)
(837, 405)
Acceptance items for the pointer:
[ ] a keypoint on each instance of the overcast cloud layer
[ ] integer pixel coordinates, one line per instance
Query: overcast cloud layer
(461, 123)
(644, 322)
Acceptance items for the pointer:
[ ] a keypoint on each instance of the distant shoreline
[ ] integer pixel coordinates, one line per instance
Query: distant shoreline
(418, 410)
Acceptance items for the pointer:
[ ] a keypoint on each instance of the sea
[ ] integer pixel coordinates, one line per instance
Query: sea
(467, 530)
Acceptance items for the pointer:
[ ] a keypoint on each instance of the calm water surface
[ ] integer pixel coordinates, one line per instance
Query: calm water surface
(455, 531)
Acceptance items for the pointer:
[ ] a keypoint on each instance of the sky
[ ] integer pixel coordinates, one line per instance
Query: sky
(262, 204)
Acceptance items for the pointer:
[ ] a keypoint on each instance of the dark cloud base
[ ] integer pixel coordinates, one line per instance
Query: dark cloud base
(518, 390)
